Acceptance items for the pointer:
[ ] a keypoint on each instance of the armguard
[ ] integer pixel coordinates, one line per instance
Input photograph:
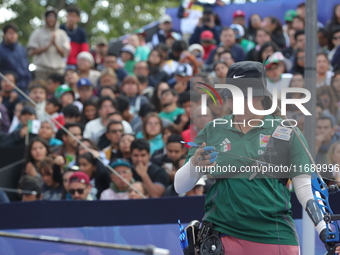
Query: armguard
(314, 212)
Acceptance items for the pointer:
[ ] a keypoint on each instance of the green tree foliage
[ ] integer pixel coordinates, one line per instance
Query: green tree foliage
(98, 17)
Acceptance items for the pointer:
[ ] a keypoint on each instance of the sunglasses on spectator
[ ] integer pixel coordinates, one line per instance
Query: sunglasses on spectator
(336, 37)
(116, 131)
(79, 191)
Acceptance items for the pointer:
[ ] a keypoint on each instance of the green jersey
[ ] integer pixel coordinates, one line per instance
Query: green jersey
(258, 209)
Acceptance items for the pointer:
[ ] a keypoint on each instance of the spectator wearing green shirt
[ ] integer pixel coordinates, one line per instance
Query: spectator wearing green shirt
(142, 52)
(239, 32)
(169, 100)
(126, 58)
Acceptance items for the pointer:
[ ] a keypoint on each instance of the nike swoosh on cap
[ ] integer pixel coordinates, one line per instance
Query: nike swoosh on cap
(236, 77)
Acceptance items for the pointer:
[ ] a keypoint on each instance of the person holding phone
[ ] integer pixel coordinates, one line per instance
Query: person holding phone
(207, 22)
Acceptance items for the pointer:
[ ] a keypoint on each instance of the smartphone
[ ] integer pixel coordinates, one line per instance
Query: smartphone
(168, 167)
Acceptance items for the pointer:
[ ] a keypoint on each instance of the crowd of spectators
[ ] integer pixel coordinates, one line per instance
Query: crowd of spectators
(132, 110)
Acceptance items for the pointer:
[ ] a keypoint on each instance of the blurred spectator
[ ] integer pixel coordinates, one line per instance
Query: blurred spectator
(325, 137)
(53, 108)
(298, 23)
(335, 86)
(178, 47)
(335, 19)
(323, 37)
(156, 97)
(30, 183)
(9, 98)
(71, 78)
(114, 132)
(126, 58)
(66, 96)
(76, 34)
(89, 111)
(155, 61)
(273, 25)
(175, 150)
(207, 22)
(66, 178)
(38, 93)
(142, 69)
(95, 128)
(239, 18)
(198, 189)
(262, 36)
(51, 176)
(36, 151)
(124, 145)
(49, 46)
(69, 147)
(129, 88)
(165, 27)
(110, 60)
(18, 136)
(140, 187)
(198, 123)
(183, 75)
(85, 90)
(221, 69)
(328, 100)
(226, 57)
(300, 39)
(100, 51)
(124, 108)
(276, 73)
(142, 51)
(87, 163)
(190, 60)
(188, 101)
(79, 187)
(267, 49)
(53, 82)
(118, 188)
(254, 24)
(47, 132)
(17, 112)
(333, 42)
(299, 62)
(289, 15)
(143, 87)
(170, 110)
(171, 38)
(71, 114)
(301, 10)
(108, 78)
(160, 155)
(13, 57)
(190, 12)
(228, 41)
(108, 91)
(289, 51)
(154, 178)
(323, 72)
(143, 112)
(85, 62)
(152, 132)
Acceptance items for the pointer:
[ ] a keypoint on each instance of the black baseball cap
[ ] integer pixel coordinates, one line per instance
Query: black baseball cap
(247, 74)
(28, 110)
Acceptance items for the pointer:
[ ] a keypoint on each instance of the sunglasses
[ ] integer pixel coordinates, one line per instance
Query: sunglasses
(336, 37)
(73, 191)
(117, 131)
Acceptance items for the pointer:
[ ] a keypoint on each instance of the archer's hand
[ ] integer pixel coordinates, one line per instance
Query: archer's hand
(205, 156)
